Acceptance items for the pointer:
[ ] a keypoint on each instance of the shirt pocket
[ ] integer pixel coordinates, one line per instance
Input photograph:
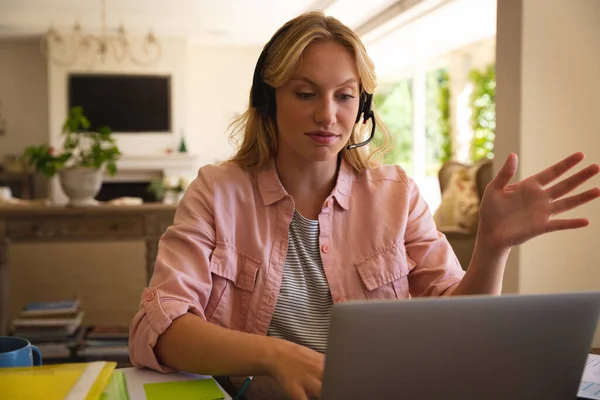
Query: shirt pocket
(384, 273)
(234, 279)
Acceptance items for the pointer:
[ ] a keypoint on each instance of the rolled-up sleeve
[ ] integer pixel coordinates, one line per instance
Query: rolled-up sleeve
(436, 270)
(181, 281)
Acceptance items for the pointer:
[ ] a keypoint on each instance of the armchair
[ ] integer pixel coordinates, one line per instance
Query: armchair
(460, 238)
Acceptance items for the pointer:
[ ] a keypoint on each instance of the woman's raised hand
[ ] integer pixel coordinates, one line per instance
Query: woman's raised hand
(511, 214)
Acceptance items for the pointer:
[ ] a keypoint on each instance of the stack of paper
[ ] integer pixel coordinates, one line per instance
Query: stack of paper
(590, 381)
(142, 383)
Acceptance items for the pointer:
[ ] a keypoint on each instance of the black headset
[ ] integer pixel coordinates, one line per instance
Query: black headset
(263, 95)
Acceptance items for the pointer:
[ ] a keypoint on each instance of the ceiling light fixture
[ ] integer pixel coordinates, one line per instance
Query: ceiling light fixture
(67, 49)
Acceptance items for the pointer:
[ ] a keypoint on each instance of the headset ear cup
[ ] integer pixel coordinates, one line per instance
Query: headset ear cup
(264, 101)
(271, 106)
(368, 113)
(263, 95)
(361, 105)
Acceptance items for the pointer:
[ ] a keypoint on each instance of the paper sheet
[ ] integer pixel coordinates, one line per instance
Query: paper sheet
(590, 381)
(202, 389)
(138, 377)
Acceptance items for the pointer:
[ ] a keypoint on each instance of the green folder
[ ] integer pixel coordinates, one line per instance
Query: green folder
(198, 389)
(116, 388)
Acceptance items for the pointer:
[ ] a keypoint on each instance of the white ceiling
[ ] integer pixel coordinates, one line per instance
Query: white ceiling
(448, 26)
(421, 30)
(208, 21)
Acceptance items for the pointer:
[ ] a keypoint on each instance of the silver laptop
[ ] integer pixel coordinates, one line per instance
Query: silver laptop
(473, 347)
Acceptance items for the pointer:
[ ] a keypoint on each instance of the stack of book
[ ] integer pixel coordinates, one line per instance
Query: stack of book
(105, 343)
(54, 327)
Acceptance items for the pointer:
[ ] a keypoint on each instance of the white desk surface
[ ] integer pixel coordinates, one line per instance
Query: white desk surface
(136, 378)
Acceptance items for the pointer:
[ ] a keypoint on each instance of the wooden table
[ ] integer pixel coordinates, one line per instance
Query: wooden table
(27, 224)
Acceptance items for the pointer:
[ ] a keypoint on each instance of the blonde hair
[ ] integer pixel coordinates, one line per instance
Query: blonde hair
(258, 132)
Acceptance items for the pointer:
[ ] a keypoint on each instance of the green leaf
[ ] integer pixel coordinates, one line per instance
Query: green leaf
(157, 188)
(85, 123)
(483, 119)
(80, 147)
(111, 167)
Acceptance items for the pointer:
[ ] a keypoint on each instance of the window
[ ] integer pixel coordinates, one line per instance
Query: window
(395, 107)
(416, 111)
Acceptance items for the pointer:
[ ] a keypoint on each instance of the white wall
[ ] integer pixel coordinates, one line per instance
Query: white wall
(24, 95)
(172, 62)
(548, 107)
(210, 85)
(561, 102)
(219, 81)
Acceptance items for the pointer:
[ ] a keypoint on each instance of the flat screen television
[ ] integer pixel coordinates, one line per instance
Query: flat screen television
(125, 103)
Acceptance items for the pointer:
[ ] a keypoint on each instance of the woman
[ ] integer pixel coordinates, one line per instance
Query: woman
(301, 218)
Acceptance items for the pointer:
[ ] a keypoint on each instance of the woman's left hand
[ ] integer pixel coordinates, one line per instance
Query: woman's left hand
(512, 214)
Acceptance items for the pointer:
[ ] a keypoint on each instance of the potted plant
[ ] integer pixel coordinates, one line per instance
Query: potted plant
(168, 190)
(81, 163)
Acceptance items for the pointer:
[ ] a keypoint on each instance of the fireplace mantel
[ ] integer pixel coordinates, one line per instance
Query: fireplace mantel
(139, 167)
(158, 161)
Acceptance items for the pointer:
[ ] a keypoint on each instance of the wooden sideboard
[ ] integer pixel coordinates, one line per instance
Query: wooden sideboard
(21, 183)
(21, 224)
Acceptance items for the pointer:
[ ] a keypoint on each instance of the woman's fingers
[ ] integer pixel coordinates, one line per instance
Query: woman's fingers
(506, 172)
(551, 173)
(564, 224)
(313, 388)
(299, 394)
(572, 182)
(572, 202)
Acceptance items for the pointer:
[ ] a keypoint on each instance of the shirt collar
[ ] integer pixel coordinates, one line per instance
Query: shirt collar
(272, 191)
(343, 186)
(270, 187)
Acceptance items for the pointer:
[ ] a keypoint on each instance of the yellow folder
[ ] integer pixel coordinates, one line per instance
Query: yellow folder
(59, 381)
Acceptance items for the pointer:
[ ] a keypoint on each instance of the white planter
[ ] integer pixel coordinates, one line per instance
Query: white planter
(81, 185)
(172, 197)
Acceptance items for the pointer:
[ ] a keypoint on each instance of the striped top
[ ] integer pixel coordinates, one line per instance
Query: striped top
(304, 305)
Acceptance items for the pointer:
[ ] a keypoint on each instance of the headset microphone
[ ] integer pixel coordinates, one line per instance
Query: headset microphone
(364, 109)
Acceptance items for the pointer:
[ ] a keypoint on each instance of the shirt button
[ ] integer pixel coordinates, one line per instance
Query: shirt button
(325, 248)
(329, 203)
(150, 296)
(342, 300)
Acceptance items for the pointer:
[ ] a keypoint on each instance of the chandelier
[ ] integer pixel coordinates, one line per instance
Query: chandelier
(67, 49)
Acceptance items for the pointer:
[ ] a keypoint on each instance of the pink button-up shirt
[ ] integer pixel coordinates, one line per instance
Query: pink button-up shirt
(223, 258)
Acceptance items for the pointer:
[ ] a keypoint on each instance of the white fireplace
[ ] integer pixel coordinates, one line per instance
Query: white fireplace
(135, 173)
(149, 167)
(140, 171)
